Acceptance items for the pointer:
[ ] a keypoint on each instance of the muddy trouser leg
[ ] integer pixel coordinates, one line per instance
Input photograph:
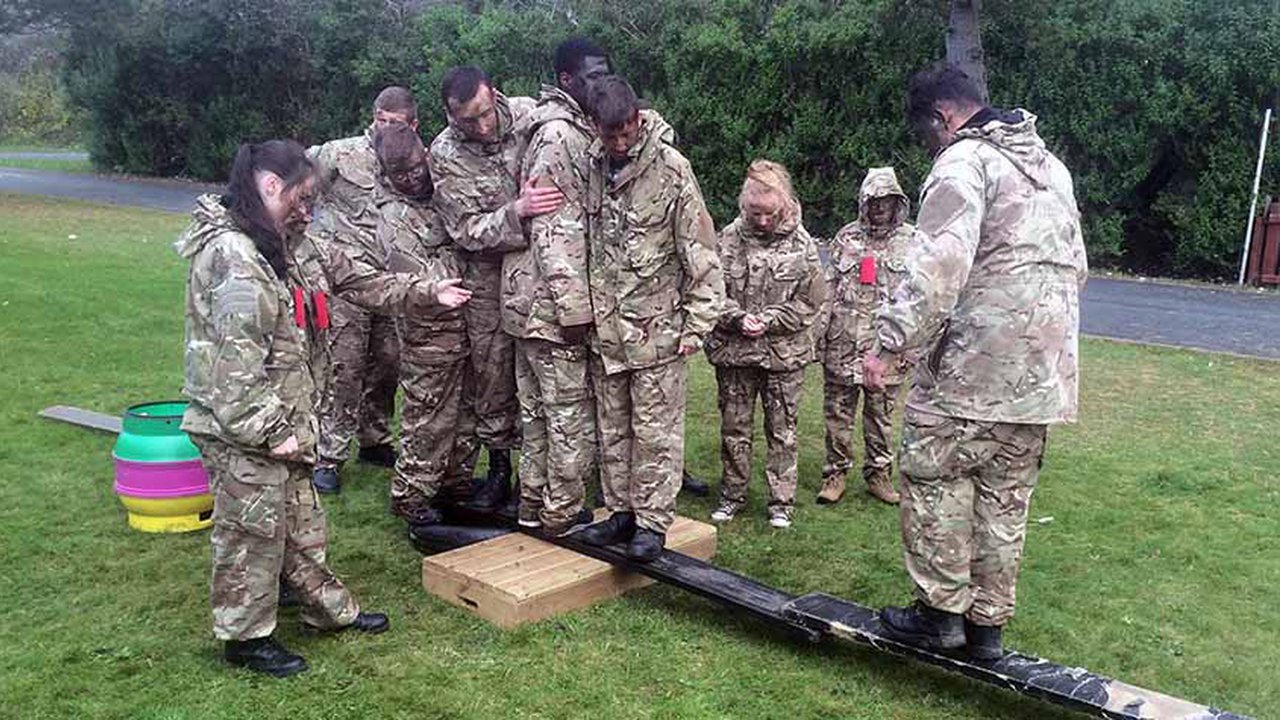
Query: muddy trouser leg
(877, 431)
(562, 418)
(780, 397)
(437, 438)
(839, 410)
(738, 388)
(339, 408)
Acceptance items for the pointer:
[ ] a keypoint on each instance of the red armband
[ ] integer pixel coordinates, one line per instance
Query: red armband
(299, 308)
(322, 310)
(867, 272)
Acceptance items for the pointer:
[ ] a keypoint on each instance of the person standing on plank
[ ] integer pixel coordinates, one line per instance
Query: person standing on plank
(991, 306)
(656, 291)
(256, 359)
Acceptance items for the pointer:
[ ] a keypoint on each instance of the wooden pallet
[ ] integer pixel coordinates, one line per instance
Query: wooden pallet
(517, 579)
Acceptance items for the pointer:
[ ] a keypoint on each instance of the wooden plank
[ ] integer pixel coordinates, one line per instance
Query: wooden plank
(516, 579)
(83, 418)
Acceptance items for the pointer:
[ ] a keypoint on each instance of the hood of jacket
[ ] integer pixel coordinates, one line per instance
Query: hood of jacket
(1013, 134)
(882, 182)
(209, 220)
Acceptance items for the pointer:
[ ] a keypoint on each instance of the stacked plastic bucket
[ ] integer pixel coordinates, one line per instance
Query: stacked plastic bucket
(159, 478)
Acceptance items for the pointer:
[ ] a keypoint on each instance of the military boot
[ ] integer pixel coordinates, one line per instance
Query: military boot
(574, 524)
(832, 489)
(380, 455)
(416, 511)
(325, 480)
(879, 487)
(983, 642)
(618, 527)
(923, 626)
(496, 489)
(646, 545)
(694, 486)
(263, 655)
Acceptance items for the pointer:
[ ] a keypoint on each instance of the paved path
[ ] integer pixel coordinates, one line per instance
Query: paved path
(25, 155)
(172, 195)
(1245, 323)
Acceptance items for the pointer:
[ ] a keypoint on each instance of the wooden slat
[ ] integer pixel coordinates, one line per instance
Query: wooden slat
(83, 418)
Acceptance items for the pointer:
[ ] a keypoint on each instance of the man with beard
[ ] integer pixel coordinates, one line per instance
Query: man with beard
(656, 291)
(547, 302)
(438, 447)
(484, 208)
(990, 304)
(866, 264)
(361, 399)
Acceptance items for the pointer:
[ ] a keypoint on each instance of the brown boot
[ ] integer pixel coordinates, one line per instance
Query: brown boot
(881, 489)
(832, 490)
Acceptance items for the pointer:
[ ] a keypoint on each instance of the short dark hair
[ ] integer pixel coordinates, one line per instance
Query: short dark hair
(613, 102)
(394, 144)
(571, 53)
(399, 100)
(938, 83)
(461, 84)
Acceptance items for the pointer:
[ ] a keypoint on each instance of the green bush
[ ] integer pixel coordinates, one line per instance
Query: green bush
(1155, 105)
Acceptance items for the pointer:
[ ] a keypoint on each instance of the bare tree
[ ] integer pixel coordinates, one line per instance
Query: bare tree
(964, 41)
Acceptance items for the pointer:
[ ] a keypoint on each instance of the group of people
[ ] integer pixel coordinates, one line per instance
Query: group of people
(536, 278)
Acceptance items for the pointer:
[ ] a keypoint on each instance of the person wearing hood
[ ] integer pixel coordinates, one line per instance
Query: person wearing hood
(866, 264)
(362, 397)
(774, 291)
(546, 302)
(990, 305)
(438, 446)
(256, 364)
(656, 291)
(485, 209)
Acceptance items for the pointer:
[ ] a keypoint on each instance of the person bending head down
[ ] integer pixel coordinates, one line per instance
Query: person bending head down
(615, 109)
(767, 202)
(269, 195)
(404, 161)
(467, 94)
(395, 105)
(939, 102)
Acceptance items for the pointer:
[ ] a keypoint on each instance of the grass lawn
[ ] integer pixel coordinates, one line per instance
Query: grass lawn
(1160, 565)
(58, 164)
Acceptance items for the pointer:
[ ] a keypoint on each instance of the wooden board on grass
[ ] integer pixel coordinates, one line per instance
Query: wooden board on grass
(517, 579)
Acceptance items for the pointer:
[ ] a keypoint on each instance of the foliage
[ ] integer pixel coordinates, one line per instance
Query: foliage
(34, 106)
(1153, 104)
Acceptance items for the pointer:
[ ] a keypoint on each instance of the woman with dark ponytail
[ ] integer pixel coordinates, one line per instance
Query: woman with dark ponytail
(256, 361)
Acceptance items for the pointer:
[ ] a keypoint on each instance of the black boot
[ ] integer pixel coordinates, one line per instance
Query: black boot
(577, 522)
(617, 528)
(416, 511)
(646, 545)
(694, 486)
(288, 597)
(984, 642)
(326, 480)
(381, 455)
(495, 491)
(264, 655)
(923, 626)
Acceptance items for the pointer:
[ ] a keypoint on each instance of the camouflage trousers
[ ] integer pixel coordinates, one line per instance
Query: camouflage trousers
(493, 362)
(640, 417)
(362, 396)
(558, 449)
(966, 490)
(840, 412)
(267, 525)
(779, 393)
(438, 445)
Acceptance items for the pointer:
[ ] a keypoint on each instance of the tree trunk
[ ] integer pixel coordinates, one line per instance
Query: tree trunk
(964, 41)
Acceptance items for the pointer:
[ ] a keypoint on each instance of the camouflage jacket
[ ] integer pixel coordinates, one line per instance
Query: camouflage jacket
(777, 277)
(849, 330)
(653, 269)
(476, 186)
(993, 281)
(344, 211)
(416, 244)
(544, 287)
(255, 362)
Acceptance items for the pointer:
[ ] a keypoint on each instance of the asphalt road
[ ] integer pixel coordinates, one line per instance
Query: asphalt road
(1207, 318)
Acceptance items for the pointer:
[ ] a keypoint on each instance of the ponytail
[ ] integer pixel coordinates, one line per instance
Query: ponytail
(287, 160)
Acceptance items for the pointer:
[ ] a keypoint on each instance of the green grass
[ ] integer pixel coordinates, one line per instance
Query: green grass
(1160, 565)
(53, 164)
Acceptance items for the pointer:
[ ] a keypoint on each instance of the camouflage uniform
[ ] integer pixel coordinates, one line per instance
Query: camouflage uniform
(777, 277)
(256, 364)
(849, 332)
(363, 344)
(476, 186)
(545, 289)
(438, 445)
(655, 284)
(991, 296)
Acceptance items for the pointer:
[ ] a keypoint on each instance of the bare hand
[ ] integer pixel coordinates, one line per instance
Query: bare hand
(451, 294)
(752, 326)
(288, 448)
(687, 349)
(873, 369)
(534, 200)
